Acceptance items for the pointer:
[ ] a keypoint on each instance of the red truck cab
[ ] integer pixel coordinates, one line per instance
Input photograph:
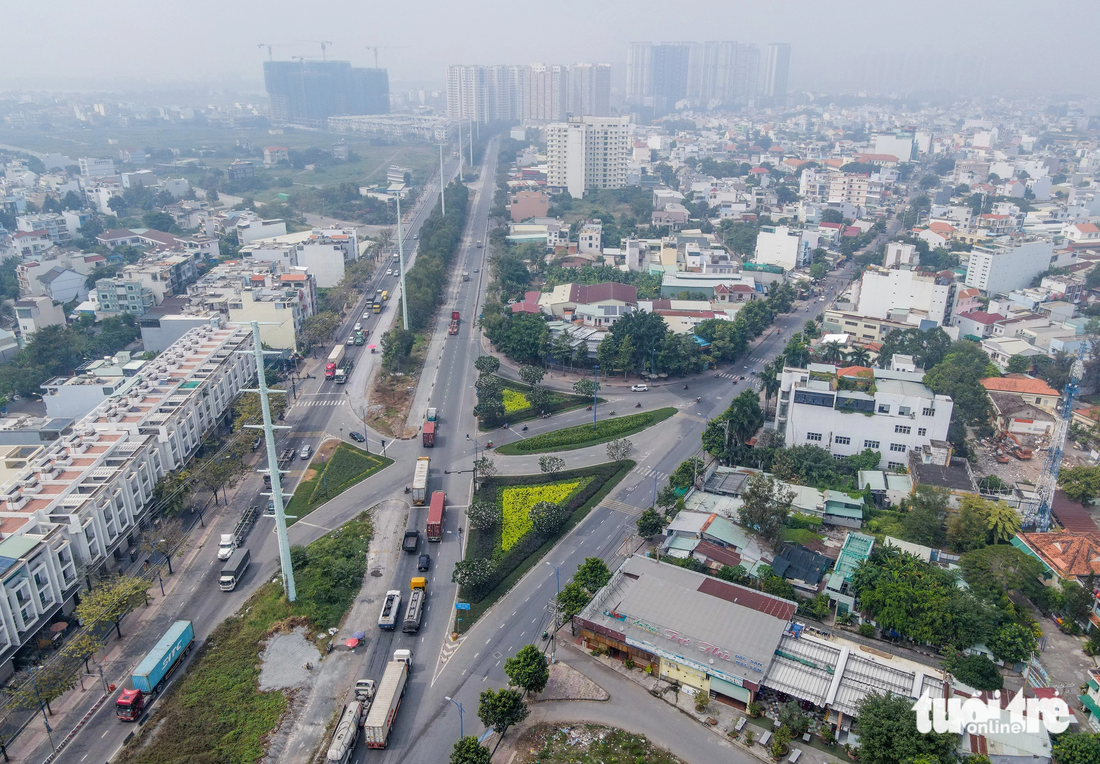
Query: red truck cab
(453, 328)
(330, 371)
(129, 705)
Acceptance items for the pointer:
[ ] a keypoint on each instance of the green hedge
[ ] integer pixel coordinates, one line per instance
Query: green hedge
(583, 435)
(558, 402)
(519, 559)
(349, 465)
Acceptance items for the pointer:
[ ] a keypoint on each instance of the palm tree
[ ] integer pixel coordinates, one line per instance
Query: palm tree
(858, 356)
(1002, 521)
(831, 352)
(769, 379)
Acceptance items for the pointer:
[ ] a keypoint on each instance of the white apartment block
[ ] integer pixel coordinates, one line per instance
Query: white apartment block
(466, 88)
(856, 189)
(1000, 269)
(780, 245)
(33, 313)
(72, 507)
(587, 153)
(891, 293)
(899, 254)
(54, 224)
(892, 412)
(95, 167)
(900, 145)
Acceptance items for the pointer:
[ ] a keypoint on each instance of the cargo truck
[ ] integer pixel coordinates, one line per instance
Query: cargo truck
(411, 542)
(435, 516)
(390, 607)
(415, 610)
(230, 541)
(347, 732)
(157, 665)
(420, 480)
(343, 371)
(465, 275)
(234, 569)
(433, 414)
(429, 434)
(226, 546)
(453, 328)
(387, 700)
(334, 359)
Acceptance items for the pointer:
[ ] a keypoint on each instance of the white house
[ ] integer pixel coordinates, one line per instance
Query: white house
(780, 245)
(886, 292)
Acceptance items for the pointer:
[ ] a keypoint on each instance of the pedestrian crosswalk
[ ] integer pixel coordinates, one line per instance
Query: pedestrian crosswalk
(649, 472)
(323, 402)
(621, 506)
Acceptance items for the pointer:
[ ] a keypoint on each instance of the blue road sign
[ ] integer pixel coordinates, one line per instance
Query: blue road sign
(462, 606)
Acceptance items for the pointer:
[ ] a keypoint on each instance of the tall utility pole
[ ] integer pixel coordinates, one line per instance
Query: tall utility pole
(401, 260)
(460, 151)
(471, 145)
(273, 462)
(442, 181)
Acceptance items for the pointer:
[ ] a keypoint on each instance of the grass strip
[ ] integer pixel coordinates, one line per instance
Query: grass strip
(347, 466)
(584, 435)
(524, 564)
(215, 711)
(556, 403)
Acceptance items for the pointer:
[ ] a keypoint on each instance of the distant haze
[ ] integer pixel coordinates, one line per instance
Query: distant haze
(973, 45)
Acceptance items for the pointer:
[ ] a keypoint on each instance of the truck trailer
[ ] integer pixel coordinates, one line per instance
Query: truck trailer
(387, 700)
(420, 480)
(334, 359)
(342, 371)
(435, 516)
(429, 434)
(234, 569)
(157, 665)
(453, 328)
(390, 608)
(347, 732)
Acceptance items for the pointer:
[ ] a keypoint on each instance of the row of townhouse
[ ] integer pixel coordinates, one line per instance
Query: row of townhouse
(71, 509)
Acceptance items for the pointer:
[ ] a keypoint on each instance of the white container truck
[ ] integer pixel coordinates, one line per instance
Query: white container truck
(226, 546)
(387, 699)
(347, 732)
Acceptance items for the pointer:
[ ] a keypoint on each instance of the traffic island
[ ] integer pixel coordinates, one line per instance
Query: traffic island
(585, 435)
(336, 467)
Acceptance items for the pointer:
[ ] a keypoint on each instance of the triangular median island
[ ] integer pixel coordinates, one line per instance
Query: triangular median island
(566, 683)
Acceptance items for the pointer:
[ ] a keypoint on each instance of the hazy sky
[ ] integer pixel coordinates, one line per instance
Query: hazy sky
(67, 42)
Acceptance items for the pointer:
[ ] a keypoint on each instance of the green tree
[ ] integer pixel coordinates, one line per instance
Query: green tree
(318, 328)
(42, 684)
(1019, 364)
(484, 468)
(592, 574)
(527, 669)
(472, 573)
(1013, 643)
(975, 670)
(992, 571)
(571, 599)
(468, 751)
(888, 733)
(82, 646)
(684, 475)
(734, 574)
(765, 508)
(831, 352)
(110, 601)
(171, 491)
(925, 509)
(1081, 484)
(818, 271)
(397, 344)
(532, 375)
(649, 523)
(618, 450)
(1077, 748)
(487, 364)
(1077, 601)
(967, 530)
(160, 221)
(1002, 522)
(546, 517)
(584, 387)
(550, 464)
(501, 709)
(484, 515)
(959, 375)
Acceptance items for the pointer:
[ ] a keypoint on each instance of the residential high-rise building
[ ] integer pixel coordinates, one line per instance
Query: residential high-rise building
(466, 87)
(776, 64)
(545, 95)
(638, 72)
(746, 71)
(587, 153)
(503, 93)
(309, 92)
(670, 76)
(591, 85)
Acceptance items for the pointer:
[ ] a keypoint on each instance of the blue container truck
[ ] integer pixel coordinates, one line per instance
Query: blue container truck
(155, 667)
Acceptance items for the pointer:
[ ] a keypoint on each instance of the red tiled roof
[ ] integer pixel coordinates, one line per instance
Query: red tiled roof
(608, 290)
(981, 317)
(23, 234)
(1072, 515)
(1069, 553)
(1018, 383)
(740, 595)
(719, 554)
(1087, 228)
(526, 307)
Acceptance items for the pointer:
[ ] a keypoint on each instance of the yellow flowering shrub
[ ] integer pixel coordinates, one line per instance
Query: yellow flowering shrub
(514, 400)
(518, 501)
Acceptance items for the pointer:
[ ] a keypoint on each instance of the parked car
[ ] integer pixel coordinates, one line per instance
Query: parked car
(424, 562)
(306, 451)
(256, 443)
(639, 388)
(357, 436)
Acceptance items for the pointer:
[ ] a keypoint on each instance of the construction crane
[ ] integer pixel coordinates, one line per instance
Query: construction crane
(1038, 511)
(270, 45)
(377, 48)
(324, 46)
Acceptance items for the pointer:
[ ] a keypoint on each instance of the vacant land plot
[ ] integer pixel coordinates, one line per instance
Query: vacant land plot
(587, 744)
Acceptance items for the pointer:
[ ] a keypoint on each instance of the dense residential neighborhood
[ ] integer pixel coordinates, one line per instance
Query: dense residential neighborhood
(691, 402)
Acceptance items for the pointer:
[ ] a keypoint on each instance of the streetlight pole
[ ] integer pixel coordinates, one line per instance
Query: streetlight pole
(442, 181)
(595, 389)
(460, 712)
(554, 633)
(401, 260)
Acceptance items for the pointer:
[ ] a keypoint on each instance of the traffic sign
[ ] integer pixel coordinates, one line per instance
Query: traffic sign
(462, 606)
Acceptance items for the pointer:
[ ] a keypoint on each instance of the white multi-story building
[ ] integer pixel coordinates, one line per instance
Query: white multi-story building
(782, 246)
(466, 93)
(899, 254)
(54, 224)
(545, 93)
(999, 269)
(96, 167)
(892, 293)
(587, 153)
(858, 189)
(846, 411)
(33, 313)
(71, 506)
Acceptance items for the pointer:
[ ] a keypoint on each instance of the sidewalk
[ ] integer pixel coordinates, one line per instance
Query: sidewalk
(72, 710)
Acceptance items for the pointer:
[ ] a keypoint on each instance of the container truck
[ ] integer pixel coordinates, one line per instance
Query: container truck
(387, 700)
(234, 569)
(157, 665)
(347, 732)
(226, 546)
(435, 516)
(390, 607)
(433, 414)
(429, 434)
(420, 480)
(334, 359)
(415, 610)
(453, 328)
(230, 541)
(343, 371)
(364, 691)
